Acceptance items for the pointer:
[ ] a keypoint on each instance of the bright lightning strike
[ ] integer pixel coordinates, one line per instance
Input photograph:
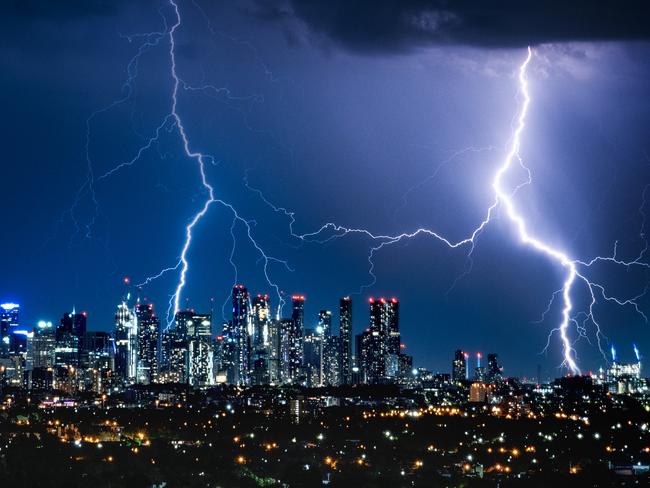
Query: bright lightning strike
(173, 122)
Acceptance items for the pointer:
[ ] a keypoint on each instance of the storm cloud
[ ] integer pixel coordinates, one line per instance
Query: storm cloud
(398, 26)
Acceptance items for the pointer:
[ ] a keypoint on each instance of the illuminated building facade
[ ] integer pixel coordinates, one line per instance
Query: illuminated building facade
(494, 369)
(148, 349)
(9, 321)
(345, 334)
(294, 338)
(459, 366)
(126, 344)
(240, 335)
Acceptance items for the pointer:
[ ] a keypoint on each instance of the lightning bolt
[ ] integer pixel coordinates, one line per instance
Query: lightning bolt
(173, 122)
(201, 159)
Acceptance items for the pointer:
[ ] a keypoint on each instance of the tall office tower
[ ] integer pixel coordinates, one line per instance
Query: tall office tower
(261, 319)
(295, 337)
(384, 342)
(330, 349)
(275, 335)
(494, 369)
(312, 346)
(41, 347)
(201, 363)
(9, 321)
(260, 342)
(126, 344)
(363, 352)
(345, 333)
(200, 351)
(69, 339)
(284, 349)
(459, 366)
(479, 372)
(174, 361)
(332, 361)
(148, 350)
(228, 352)
(406, 375)
(97, 361)
(241, 333)
(218, 359)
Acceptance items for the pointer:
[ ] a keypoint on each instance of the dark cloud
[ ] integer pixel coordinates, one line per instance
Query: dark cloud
(60, 9)
(394, 26)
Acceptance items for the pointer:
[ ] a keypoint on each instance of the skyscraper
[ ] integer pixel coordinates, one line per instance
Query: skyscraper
(382, 344)
(312, 346)
(126, 344)
(295, 337)
(261, 318)
(148, 348)
(240, 331)
(459, 366)
(284, 348)
(41, 347)
(200, 350)
(275, 339)
(479, 372)
(69, 339)
(345, 333)
(174, 357)
(494, 369)
(332, 361)
(9, 321)
(331, 348)
(260, 345)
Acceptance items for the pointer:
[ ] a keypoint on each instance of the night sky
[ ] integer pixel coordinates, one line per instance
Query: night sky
(387, 116)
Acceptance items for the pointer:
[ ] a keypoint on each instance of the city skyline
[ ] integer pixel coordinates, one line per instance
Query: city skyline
(300, 125)
(260, 329)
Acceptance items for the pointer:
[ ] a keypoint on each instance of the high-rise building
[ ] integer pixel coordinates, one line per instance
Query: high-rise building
(345, 333)
(479, 372)
(174, 357)
(261, 319)
(226, 367)
(332, 361)
(312, 346)
(41, 347)
(148, 348)
(494, 369)
(9, 321)
(295, 337)
(260, 342)
(382, 342)
(126, 344)
(275, 337)
(69, 339)
(364, 342)
(241, 335)
(284, 348)
(201, 362)
(459, 366)
(97, 361)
